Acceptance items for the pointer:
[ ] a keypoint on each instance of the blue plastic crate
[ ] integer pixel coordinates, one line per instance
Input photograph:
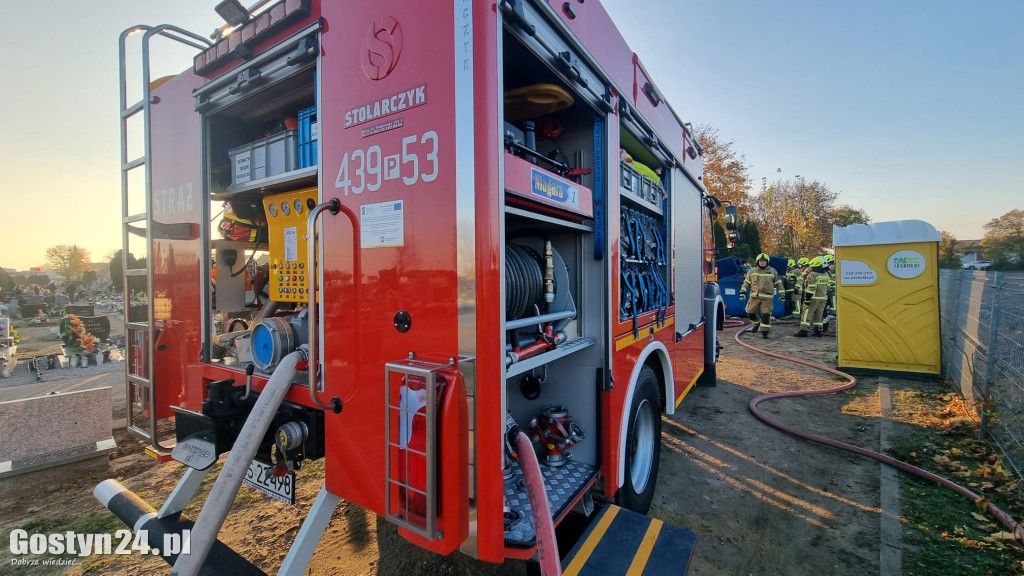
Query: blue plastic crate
(308, 136)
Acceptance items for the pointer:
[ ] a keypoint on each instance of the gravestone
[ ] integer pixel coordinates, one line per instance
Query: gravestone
(30, 442)
(98, 326)
(80, 309)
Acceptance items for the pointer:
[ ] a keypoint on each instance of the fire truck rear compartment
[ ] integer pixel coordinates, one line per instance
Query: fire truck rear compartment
(554, 370)
(255, 177)
(565, 374)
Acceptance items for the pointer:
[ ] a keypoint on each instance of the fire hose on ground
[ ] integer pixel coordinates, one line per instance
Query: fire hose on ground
(1011, 525)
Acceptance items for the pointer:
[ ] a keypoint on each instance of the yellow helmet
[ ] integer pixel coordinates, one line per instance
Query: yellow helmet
(829, 258)
(792, 263)
(763, 256)
(803, 262)
(817, 262)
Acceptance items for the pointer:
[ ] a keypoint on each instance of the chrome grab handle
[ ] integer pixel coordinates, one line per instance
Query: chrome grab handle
(335, 206)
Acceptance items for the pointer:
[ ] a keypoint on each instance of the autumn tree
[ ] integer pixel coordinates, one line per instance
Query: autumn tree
(794, 217)
(68, 261)
(726, 174)
(847, 215)
(948, 258)
(1004, 240)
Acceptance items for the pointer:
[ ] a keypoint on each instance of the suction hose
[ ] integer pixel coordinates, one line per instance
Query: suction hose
(1011, 525)
(543, 523)
(215, 510)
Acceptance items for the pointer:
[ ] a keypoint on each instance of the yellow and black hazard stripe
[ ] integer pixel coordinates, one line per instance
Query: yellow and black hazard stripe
(619, 541)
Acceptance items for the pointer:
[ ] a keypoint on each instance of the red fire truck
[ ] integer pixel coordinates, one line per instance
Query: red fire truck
(402, 237)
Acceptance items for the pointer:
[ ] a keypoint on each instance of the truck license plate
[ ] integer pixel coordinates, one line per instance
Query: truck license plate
(261, 477)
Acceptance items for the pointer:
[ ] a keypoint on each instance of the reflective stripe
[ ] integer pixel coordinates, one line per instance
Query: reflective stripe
(643, 553)
(592, 541)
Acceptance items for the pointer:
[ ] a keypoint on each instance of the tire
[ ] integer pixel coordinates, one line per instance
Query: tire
(971, 268)
(643, 445)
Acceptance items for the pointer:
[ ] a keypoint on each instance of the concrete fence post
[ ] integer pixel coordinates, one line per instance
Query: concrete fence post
(990, 354)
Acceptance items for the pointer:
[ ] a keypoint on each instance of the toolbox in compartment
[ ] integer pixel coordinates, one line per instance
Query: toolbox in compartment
(275, 154)
(640, 186)
(309, 133)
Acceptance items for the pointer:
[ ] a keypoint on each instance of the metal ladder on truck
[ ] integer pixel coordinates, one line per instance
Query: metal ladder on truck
(139, 332)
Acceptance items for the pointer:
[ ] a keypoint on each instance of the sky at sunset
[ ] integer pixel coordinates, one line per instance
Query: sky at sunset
(909, 110)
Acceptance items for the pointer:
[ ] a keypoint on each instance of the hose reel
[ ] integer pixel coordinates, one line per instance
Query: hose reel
(524, 282)
(536, 282)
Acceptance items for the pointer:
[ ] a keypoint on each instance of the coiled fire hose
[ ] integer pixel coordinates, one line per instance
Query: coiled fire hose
(1005, 519)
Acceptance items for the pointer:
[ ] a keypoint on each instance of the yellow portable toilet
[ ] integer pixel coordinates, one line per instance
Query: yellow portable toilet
(887, 297)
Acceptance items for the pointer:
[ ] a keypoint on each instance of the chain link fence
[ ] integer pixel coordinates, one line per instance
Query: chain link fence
(982, 315)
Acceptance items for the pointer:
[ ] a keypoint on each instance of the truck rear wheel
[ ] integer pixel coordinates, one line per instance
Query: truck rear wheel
(643, 445)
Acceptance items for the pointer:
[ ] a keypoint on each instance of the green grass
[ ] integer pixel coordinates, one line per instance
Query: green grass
(941, 536)
(91, 523)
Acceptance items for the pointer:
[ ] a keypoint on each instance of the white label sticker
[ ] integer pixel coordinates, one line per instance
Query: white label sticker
(382, 224)
(856, 273)
(906, 264)
(291, 244)
(242, 167)
(730, 291)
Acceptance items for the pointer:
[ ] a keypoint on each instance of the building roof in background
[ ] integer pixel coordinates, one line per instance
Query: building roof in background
(968, 247)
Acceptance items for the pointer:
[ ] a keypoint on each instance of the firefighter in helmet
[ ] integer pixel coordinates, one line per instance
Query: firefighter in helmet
(792, 297)
(763, 283)
(830, 301)
(805, 267)
(815, 293)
